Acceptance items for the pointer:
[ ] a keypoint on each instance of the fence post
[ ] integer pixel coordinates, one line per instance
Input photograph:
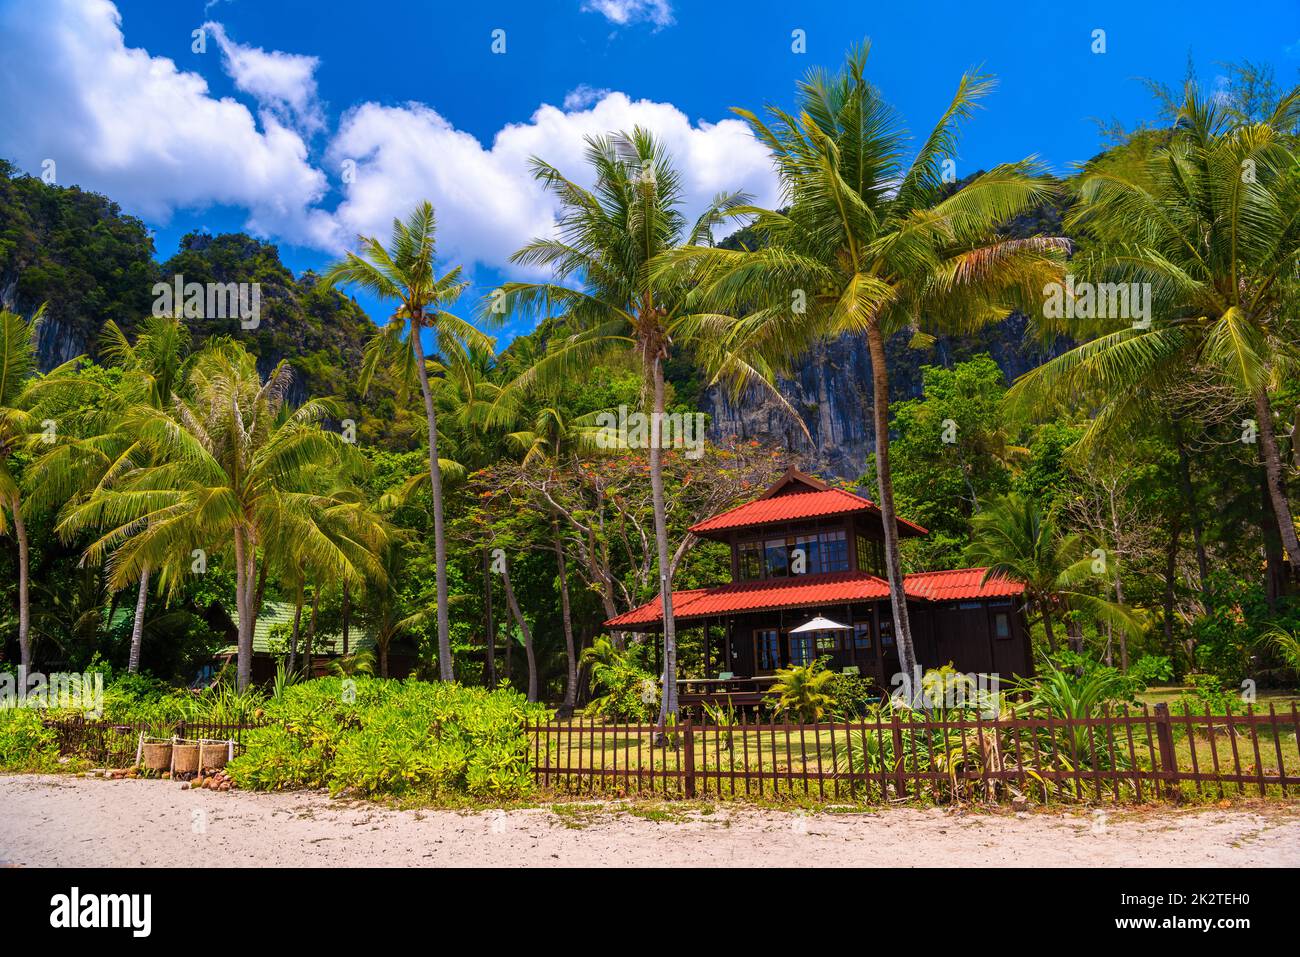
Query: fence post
(1168, 758)
(688, 759)
(900, 771)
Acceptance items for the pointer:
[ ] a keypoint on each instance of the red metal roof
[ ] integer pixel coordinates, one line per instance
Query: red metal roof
(759, 596)
(959, 583)
(801, 591)
(785, 508)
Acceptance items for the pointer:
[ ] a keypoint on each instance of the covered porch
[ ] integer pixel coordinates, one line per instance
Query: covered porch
(732, 660)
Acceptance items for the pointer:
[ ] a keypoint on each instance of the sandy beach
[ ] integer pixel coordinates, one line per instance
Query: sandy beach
(50, 820)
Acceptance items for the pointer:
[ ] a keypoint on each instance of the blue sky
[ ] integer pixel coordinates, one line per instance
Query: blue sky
(256, 132)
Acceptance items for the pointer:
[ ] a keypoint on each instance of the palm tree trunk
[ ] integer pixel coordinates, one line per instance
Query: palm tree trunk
(445, 668)
(1276, 485)
(383, 660)
(244, 603)
(571, 677)
(523, 628)
(668, 706)
(1074, 633)
(1049, 630)
(24, 596)
(889, 520)
(137, 626)
(490, 651)
(1276, 572)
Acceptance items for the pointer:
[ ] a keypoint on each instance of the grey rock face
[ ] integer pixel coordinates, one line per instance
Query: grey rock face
(831, 391)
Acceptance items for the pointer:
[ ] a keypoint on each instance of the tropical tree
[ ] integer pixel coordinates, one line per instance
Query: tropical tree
(98, 449)
(17, 426)
(553, 442)
(226, 474)
(867, 243)
(337, 482)
(403, 273)
(607, 239)
(1017, 539)
(1210, 224)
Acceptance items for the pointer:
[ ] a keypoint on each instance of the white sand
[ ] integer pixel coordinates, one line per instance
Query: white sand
(68, 821)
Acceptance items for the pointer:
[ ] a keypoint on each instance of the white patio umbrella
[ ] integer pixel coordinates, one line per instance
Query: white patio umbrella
(821, 624)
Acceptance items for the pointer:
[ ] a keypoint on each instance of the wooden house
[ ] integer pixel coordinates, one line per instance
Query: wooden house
(804, 550)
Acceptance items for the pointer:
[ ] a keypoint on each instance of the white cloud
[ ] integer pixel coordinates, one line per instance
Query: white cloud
(284, 84)
(582, 96)
(136, 127)
(154, 138)
(624, 12)
(487, 200)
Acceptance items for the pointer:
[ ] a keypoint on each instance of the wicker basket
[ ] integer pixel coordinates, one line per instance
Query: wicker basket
(157, 755)
(213, 754)
(185, 757)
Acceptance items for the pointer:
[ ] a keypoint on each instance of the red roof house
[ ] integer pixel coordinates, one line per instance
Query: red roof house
(803, 550)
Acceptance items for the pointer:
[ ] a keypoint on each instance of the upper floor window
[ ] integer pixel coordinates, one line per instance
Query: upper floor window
(815, 553)
(871, 555)
(776, 558)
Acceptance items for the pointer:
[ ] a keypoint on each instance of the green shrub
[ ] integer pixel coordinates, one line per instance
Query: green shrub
(1208, 692)
(852, 696)
(801, 692)
(626, 689)
(25, 743)
(1238, 615)
(390, 738)
(1149, 670)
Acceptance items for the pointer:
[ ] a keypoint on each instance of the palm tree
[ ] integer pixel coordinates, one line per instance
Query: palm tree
(336, 482)
(228, 471)
(608, 237)
(463, 392)
(17, 426)
(868, 244)
(802, 690)
(1016, 539)
(153, 370)
(157, 359)
(1209, 224)
(404, 273)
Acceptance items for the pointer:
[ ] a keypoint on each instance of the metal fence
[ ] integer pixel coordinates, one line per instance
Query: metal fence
(1124, 754)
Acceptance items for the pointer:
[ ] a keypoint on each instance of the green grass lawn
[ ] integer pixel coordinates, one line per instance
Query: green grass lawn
(839, 763)
(1280, 700)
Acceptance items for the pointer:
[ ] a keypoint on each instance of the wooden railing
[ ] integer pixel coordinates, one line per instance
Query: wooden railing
(112, 744)
(740, 693)
(1129, 754)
